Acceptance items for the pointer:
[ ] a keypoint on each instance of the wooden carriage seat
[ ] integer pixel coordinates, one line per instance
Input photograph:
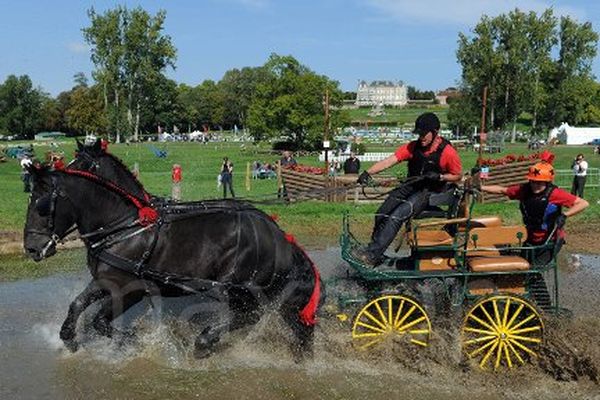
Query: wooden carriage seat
(498, 236)
(431, 261)
(433, 238)
(499, 283)
(497, 263)
(428, 238)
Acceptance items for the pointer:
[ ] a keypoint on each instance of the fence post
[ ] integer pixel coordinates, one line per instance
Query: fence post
(247, 176)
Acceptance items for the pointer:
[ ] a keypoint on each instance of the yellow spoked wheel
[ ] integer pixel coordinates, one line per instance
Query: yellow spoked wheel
(502, 331)
(391, 317)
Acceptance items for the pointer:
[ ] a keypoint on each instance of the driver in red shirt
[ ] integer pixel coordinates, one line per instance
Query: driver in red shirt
(430, 157)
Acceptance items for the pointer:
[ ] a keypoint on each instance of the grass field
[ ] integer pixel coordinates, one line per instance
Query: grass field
(200, 163)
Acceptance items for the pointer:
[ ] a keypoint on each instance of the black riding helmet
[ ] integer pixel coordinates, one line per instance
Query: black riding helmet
(427, 122)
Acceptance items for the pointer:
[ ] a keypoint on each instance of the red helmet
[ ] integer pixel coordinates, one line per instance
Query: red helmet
(541, 172)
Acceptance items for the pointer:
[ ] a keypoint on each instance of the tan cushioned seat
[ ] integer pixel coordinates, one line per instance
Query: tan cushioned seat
(498, 264)
(433, 238)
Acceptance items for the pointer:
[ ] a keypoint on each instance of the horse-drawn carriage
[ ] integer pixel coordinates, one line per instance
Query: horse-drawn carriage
(459, 262)
(476, 267)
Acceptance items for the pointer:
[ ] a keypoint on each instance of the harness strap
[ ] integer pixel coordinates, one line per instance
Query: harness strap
(146, 213)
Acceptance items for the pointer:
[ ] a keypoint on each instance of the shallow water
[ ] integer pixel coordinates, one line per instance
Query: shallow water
(256, 363)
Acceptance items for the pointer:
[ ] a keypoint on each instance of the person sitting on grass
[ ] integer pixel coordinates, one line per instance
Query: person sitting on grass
(541, 204)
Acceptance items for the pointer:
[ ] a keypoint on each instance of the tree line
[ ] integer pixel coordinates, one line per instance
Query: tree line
(536, 67)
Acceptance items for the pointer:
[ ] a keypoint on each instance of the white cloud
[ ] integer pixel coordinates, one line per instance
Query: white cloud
(78, 47)
(461, 12)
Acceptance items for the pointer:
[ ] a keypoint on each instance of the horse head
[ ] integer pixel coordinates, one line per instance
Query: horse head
(50, 215)
(93, 158)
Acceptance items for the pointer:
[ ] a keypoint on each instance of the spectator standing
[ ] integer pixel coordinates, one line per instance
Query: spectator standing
(227, 177)
(580, 167)
(25, 175)
(287, 160)
(352, 164)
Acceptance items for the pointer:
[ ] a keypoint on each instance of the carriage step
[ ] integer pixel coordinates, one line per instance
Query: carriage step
(540, 294)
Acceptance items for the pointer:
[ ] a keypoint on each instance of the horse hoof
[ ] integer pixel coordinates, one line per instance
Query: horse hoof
(201, 352)
(71, 345)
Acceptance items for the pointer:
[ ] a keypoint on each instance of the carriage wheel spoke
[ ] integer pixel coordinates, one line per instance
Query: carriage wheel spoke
(480, 339)
(505, 317)
(371, 343)
(522, 347)
(482, 348)
(419, 342)
(515, 352)
(381, 314)
(523, 322)
(489, 353)
(405, 316)
(482, 322)
(496, 314)
(398, 313)
(507, 354)
(525, 338)
(372, 318)
(515, 315)
(488, 316)
(482, 331)
(412, 323)
(371, 327)
(499, 352)
(525, 330)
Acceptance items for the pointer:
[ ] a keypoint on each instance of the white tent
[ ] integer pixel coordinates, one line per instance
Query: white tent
(574, 135)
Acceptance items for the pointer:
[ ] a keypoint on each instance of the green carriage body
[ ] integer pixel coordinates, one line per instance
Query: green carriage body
(504, 287)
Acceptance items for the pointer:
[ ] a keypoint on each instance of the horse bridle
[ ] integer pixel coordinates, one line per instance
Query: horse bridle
(40, 207)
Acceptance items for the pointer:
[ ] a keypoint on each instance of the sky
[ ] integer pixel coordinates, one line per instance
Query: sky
(413, 41)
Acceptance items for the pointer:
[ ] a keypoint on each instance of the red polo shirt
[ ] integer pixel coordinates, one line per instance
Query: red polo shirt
(449, 159)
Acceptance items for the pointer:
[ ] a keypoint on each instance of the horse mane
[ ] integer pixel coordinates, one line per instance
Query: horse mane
(96, 152)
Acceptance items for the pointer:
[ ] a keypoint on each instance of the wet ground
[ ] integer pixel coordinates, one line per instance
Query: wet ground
(256, 363)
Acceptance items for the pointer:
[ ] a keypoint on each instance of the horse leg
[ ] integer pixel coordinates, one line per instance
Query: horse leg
(112, 307)
(92, 293)
(243, 311)
(295, 298)
(302, 346)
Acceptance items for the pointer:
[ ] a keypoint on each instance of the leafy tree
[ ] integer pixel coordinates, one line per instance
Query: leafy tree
(80, 79)
(131, 54)
(237, 88)
(513, 55)
(415, 94)
(84, 114)
(290, 103)
(20, 106)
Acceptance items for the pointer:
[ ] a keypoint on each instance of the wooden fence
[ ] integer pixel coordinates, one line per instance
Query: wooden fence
(302, 186)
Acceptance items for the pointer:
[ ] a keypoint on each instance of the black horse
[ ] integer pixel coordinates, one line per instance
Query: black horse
(136, 248)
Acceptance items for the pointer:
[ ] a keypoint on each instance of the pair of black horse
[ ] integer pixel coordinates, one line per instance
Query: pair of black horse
(139, 245)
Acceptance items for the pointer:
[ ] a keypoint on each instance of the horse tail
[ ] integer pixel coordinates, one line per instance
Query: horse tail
(308, 314)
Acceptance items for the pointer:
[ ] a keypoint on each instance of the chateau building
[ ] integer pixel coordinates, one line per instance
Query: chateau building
(377, 93)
